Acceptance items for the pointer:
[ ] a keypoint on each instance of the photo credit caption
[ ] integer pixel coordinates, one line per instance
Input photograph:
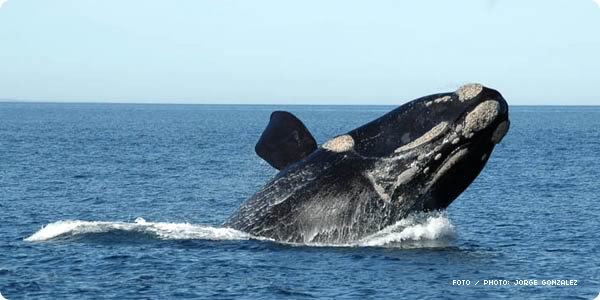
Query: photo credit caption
(515, 282)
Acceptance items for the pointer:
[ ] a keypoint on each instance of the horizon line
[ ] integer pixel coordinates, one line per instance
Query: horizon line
(239, 104)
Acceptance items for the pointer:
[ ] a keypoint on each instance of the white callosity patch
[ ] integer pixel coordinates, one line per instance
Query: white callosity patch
(438, 100)
(500, 132)
(425, 138)
(469, 91)
(443, 99)
(481, 117)
(340, 143)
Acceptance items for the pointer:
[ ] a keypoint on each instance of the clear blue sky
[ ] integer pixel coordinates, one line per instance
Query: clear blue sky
(304, 52)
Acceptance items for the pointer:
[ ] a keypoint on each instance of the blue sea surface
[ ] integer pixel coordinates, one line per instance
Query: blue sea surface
(132, 196)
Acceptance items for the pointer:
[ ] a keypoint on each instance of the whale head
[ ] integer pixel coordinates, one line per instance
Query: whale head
(418, 157)
(433, 147)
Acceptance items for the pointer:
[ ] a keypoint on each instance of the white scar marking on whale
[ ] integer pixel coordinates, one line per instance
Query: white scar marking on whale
(425, 138)
(406, 176)
(469, 91)
(378, 188)
(340, 143)
(481, 117)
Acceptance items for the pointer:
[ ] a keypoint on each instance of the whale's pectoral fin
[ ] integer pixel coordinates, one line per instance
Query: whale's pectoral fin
(285, 140)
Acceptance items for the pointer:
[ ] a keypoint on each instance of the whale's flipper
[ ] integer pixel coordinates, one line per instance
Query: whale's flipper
(285, 140)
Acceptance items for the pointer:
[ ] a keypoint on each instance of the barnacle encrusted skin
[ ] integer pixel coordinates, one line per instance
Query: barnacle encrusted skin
(481, 117)
(469, 91)
(436, 131)
(340, 143)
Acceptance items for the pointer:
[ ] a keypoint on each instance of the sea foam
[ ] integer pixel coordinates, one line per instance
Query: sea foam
(420, 230)
(161, 230)
(425, 229)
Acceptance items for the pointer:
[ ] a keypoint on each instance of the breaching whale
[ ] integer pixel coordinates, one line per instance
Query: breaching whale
(418, 157)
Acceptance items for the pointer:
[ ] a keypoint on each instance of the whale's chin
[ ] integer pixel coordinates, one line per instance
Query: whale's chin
(456, 173)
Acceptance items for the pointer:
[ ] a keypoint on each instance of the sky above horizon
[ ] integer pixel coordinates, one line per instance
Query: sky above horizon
(301, 52)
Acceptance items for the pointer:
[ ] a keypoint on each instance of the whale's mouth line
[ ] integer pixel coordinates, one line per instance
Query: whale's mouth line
(463, 146)
(466, 146)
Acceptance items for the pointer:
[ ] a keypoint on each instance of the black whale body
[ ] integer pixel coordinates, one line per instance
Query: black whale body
(418, 157)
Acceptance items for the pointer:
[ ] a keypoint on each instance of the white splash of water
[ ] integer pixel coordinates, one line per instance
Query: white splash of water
(1, 298)
(418, 229)
(162, 230)
(422, 230)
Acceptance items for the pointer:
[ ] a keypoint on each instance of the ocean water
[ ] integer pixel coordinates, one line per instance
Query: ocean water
(121, 201)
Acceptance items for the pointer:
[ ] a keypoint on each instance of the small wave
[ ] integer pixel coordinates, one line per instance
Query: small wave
(415, 231)
(161, 230)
